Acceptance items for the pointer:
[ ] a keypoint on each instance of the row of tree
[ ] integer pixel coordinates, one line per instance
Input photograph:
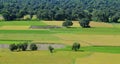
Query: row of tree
(84, 23)
(33, 47)
(22, 47)
(98, 10)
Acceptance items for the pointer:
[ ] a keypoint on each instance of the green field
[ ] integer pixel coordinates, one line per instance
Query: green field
(99, 39)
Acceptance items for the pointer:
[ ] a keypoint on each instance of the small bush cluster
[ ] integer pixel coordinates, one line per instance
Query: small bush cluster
(22, 47)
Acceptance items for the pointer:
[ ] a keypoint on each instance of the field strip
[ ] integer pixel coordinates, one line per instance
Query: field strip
(100, 58)
(14, 27)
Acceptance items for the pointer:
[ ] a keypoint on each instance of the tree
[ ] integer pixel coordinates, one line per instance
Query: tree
(75, 46)
(24, 46)
(51, 49)
(84, 23)
(67, 23)
(19, 46)
(13, 47)
(33, 47)
(115, 18)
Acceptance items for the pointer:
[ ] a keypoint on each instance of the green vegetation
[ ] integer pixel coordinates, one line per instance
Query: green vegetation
(76, 46)
(103, 49)
(13, 41)
(98, 10)
(84, 23)
(33, 47)
(25, 32)
(103, 37)
(67, 23)
(19, 46)
(51, 49)
(94, 30)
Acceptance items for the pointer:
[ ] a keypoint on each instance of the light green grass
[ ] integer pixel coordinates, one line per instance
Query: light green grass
(13, 41)
(103, 49)
(25, 32)
(36, 37)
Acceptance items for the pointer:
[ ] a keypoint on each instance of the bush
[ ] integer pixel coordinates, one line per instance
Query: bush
(13, 47)
(24, 46)
(75, 46)
(33, 47)
(51, 49)
(67, 23)
(27, 17)
(84, 23)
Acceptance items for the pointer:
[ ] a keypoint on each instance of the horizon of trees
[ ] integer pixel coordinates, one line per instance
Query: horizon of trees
(96, 10)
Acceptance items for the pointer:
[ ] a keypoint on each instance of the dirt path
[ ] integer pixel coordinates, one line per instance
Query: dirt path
(40, 46)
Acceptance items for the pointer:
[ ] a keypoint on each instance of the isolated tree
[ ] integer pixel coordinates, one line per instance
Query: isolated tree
(84, 23)
(51, 49)
(75, 46)
(67, 23)
(33, 47)
(13, 47)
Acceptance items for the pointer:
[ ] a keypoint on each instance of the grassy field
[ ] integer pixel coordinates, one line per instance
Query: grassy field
(40, 57)
(97, 43)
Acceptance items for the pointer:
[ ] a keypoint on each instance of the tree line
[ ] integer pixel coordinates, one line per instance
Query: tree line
(97, 10)
(33, 47)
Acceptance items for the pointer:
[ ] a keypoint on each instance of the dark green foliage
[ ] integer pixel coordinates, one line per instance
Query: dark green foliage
(13, 47)
(9, 16)
(84, 23)
(33, 47)
(19, 46)
(75, 46)
(51, 49)
(24, 46)
(67, 23)
(100, 10)
(115, 18)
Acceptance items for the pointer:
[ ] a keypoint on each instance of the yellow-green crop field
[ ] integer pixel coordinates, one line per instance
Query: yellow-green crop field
(100, 44)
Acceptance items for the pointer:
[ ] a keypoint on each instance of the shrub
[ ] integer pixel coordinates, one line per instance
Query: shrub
(27, 17)
(84, 23)
(67, 23)
(51, 49)
(75, 46)
(24, 46)
(13, 47)
(33, 47)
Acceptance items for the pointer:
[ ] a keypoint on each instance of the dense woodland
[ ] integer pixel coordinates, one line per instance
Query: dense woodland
(97, 10)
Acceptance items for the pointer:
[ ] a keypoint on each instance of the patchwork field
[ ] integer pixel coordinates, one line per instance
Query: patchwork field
(97, 43)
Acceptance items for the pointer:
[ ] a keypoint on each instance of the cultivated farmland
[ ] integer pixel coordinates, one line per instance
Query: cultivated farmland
(99, 42)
